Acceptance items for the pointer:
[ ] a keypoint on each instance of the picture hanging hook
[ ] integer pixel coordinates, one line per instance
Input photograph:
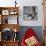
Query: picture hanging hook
(15, 3)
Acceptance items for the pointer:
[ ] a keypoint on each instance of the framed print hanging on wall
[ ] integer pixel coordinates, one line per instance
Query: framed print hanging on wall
(30, 13)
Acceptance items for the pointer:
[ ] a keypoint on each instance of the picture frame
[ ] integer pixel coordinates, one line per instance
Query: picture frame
(13, 12)
(30, 13)
(5, 12)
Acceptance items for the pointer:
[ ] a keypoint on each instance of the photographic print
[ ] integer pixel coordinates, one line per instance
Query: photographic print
(5, 12)
(30, 13)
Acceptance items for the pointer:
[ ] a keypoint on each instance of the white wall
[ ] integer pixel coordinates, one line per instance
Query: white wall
(37, 3)
(22, 3)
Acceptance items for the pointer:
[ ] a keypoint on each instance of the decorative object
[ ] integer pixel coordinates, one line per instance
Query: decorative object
(15, 30)
(30, 13)
(5, 12)
(13, 12)
(15, 37)
(5, 19)
(7, 34)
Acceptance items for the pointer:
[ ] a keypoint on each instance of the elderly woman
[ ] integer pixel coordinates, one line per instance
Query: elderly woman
(30, 38)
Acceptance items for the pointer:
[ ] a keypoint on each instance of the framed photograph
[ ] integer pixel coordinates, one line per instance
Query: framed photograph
(30, 13)
(13, 12)
(5, 12)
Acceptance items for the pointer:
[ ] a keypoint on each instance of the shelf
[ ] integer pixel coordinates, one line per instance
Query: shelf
(9, 10)
(9, 20)
(11, 41)
(10, 26)
(7, 13)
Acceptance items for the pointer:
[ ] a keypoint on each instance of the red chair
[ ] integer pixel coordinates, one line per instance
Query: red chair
(29, 33)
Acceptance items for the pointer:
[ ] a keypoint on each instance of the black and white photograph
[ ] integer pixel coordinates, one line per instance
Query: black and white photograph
(30, 13)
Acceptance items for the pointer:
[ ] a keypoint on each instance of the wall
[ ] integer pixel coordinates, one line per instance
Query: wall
(22, 3)
(37, 3)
